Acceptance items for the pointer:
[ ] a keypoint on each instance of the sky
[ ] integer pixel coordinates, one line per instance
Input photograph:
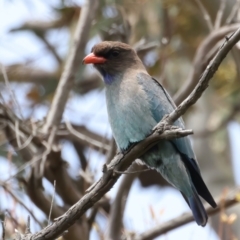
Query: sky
(166, 203)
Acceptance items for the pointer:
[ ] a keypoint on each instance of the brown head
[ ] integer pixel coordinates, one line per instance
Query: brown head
(113, 59)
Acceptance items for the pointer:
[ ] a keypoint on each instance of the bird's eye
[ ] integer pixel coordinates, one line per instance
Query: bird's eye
(114, 53)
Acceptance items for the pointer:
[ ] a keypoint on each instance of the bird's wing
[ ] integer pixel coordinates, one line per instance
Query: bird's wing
(161, 104)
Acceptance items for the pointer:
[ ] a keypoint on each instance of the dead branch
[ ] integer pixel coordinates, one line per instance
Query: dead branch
(51, 48)
(201, 59)
(185, 218)
(7, 189)
(117, 208)
(85, 138)
(219, 16)
(43, 202)
(12, 94)
(206, 15)
(206, 76)
(24, 73)
(112, 151)
(44, 26)
(233, 13)
(72, 65)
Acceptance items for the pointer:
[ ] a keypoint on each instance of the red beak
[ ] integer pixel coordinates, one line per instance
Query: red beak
(92, 58)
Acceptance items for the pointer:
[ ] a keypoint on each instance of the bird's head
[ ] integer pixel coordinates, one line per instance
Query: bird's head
(113, 59)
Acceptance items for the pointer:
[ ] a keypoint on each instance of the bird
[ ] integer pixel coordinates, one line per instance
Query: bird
(136, 102)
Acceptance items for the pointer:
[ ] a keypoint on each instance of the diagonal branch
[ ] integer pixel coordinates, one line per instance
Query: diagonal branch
(201, 59)
(72, 65)
(185, 218)
(17, 199)
(206, 76)
(119, 203)
(233, 13)
(120, 162)
(206, 15)
(123, 160)
(219, 16)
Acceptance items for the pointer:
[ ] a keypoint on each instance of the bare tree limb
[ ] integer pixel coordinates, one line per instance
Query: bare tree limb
(7, 189)
(233, 13)
(72, 65)
(12, 94)
(3, 229)
(230, 200)
(206, 76)
(205, 133)
(120, 162)
(123, 160)
(85, 138)
(200, 60)
(112, 151)
(206, 15)
(219, 16)
(51, 48)
(43, 202)
(117, 208)
(44, 26)
(24, 73)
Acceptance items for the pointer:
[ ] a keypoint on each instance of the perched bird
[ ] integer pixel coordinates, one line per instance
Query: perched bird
(136, 102)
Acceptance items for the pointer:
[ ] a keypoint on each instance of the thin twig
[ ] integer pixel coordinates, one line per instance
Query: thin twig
(112, 151)
(54, 192)
(92, 216)
(119, 203)
(201, 60)
(219, 16)
(48, 150)
(10, 90)
(72, 65)
(185, 218)
(3, 229)
(17, 133)
(51, 48)
(28, 228)
(132, 172)
(17, 199)
(85, 138)
(34, 160)
(206, 76)
(233, 13)
(206, 15)
(25, 144)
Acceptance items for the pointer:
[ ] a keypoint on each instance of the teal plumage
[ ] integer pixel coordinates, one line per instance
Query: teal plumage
(136, 103)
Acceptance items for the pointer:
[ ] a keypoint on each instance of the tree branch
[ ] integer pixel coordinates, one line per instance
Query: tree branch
(185, 218)
(17, 199)
(219, 16)
(206, 76)
(206, 15)
(117, 208)
(72, 65)
(201, 59)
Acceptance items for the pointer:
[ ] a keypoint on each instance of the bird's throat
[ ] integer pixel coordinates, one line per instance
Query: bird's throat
(108, 78)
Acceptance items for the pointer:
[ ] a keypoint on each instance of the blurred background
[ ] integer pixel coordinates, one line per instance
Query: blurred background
(175, 39)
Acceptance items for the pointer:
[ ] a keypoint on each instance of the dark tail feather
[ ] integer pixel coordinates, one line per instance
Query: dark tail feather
(198, 210)
(197, 180)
